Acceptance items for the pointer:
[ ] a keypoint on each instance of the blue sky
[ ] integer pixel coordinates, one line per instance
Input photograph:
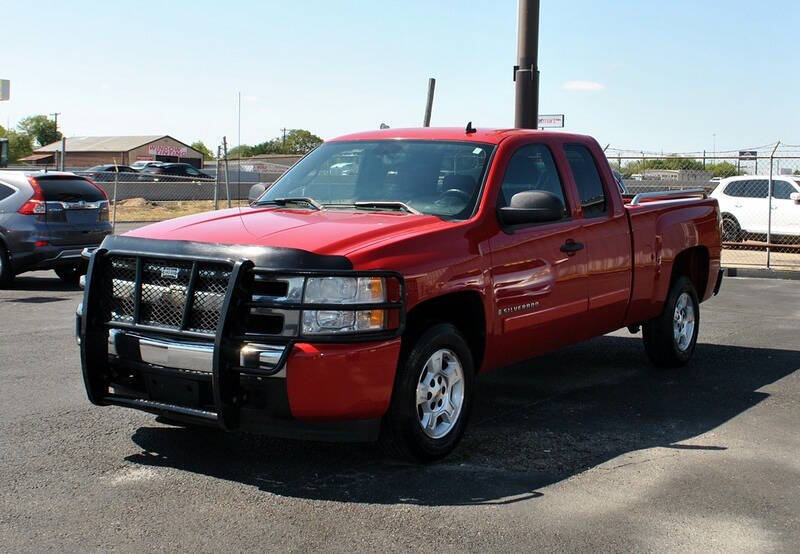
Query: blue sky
(645, 75)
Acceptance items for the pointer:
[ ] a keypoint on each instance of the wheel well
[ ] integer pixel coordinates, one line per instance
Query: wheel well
(463, 310)
(692, 263)
(729, 215)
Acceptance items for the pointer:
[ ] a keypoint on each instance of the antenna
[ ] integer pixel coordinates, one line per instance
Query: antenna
(470, 129)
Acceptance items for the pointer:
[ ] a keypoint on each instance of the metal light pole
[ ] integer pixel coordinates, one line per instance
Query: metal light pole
(426, 122)
(526, 72)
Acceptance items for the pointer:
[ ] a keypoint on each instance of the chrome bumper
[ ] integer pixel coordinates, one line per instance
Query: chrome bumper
(191, 356)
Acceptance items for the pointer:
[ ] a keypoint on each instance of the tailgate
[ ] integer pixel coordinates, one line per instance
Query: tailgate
(77, 211)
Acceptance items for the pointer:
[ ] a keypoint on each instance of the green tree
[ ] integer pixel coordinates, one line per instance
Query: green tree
(243, 151)
(203, 149)
(19, 144)
(40, 128)
(300, 141)
(722, 169)
(672, 162)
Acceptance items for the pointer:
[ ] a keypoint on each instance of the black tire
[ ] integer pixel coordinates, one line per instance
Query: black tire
(402, 435)
(6, 273)
(731, 230)
(659, 333)
(70, 274)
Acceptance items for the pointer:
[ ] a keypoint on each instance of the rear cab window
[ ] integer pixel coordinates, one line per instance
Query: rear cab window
(69, 189)
(591, 191)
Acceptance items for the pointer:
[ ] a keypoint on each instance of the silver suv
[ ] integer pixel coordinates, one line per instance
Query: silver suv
(46, 219)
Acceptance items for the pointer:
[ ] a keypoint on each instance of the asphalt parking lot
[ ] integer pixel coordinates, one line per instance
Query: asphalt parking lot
(586, 449)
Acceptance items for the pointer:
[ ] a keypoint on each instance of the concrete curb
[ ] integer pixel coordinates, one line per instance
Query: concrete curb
(759, 273)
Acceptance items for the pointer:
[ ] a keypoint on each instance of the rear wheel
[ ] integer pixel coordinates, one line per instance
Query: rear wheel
(69, 274)
(6, 273)
(670, 338)
(432, 397)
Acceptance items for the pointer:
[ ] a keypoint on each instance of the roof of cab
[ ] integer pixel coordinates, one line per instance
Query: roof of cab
(485, 135)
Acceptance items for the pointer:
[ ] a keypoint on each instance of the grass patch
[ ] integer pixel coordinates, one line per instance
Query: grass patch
(135, 210)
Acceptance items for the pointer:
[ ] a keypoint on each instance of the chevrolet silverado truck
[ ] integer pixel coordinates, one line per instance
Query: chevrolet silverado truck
(361, 304)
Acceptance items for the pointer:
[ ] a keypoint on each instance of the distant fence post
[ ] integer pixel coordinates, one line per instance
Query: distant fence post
(114, 214)
(216, 180)
(769, 204)
(227, 175)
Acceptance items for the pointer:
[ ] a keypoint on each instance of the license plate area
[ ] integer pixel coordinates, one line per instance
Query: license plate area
(82, 217)
(172, 390)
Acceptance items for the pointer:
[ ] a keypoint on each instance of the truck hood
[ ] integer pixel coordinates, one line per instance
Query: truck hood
(331, 232)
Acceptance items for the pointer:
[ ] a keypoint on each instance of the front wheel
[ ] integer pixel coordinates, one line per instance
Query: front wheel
(670, 338)
(432, 397)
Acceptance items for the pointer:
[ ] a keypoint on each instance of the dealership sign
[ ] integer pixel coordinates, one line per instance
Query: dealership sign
(748, 154)
(164, 150)
(551, 121)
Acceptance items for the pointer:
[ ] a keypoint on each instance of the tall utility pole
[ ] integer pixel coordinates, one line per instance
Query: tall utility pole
(284, 136)
(526, 72)
(55, 117)
(426, 122)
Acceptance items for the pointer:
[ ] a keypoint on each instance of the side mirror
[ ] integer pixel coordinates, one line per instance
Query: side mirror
(795, 196)
(533, 206)
(256, 191)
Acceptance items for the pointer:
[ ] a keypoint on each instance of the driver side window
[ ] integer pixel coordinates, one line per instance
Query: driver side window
(531, 168)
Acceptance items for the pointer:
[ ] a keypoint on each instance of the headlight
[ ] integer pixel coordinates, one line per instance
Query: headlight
(328, 322)
(344, 290)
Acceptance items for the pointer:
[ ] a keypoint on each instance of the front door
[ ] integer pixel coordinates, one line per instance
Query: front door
(538, 271)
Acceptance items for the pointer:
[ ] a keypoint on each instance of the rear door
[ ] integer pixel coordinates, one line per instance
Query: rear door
(606, 233)
(539, 279)
(77, 211)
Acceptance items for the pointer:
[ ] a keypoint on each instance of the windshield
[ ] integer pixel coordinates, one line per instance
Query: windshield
(433, 177)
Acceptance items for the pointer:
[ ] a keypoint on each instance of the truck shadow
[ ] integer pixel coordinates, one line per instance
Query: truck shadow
(534, 424)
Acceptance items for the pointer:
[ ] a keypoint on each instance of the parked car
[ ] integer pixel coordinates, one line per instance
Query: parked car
(172, 172)
(106, 172)
(363, 308)
(141, 164)
(46, 219)
(746, 209)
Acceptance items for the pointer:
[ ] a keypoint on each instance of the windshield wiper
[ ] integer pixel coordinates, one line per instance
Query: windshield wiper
(298, 200)
(387, 204)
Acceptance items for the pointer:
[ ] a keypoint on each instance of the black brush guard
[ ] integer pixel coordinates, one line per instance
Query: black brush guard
(245, 263)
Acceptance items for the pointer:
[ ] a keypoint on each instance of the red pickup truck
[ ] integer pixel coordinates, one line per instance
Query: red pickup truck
(360, 295)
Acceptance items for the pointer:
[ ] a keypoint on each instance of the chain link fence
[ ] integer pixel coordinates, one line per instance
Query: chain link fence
(758, 190)
(140, 197)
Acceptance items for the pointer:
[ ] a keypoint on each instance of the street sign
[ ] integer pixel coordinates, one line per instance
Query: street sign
(546, 121)
(5, 89)
(748, 154)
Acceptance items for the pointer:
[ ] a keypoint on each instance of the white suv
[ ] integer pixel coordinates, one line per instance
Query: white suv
(745, 208)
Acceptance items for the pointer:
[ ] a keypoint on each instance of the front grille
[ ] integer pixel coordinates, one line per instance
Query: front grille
(164, 289)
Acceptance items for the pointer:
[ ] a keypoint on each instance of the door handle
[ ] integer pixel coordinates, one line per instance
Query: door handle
(571, 247)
